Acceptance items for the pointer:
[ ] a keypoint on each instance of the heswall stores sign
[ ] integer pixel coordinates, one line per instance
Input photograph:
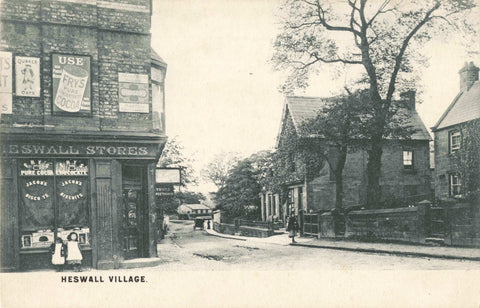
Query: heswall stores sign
(71, 84)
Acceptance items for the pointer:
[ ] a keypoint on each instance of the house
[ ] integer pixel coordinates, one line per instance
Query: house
(189, 211)
(464, 108)
(82, 128)
(311, 187)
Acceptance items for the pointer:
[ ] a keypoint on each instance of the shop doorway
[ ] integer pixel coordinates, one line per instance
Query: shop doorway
(135, 222)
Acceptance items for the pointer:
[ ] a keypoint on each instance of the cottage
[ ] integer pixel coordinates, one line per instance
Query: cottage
(405, 166)
(464, 108)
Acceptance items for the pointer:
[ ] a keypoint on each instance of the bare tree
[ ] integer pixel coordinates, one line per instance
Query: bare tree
(381, 36)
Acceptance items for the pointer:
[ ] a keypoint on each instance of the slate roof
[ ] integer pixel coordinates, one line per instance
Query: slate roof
(157, 58)
(465, 107)
(303, 108)
(197, 206)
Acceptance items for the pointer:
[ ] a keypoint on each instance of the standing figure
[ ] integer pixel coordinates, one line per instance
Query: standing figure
(74, 255)
(292, 226)
(58, 251)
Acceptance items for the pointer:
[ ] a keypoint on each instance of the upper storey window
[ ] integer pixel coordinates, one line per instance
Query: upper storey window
(158, 98)
(454, 141)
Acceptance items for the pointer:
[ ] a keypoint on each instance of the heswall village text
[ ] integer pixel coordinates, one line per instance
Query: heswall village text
(113, 279)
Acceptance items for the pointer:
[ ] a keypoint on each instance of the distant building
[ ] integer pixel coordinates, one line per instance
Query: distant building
(405, 166)
(465, 107)
(189, 211)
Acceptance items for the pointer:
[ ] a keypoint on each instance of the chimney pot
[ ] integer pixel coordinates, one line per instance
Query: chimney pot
(409, 98)
(468, 75)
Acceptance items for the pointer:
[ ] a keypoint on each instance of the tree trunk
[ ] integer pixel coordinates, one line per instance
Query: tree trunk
(342, 157)
(374, 171)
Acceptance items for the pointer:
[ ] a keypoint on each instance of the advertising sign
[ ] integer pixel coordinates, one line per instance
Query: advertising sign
(133, 93)
(71, 84)
(27, 76)
(5, 82)
(167, 176)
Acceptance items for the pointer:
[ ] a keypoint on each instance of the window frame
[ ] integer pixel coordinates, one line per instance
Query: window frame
(405, 161)
(451, 135)
(452, 186)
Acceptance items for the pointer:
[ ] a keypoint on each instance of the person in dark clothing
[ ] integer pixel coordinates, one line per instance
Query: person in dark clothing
(292, 227)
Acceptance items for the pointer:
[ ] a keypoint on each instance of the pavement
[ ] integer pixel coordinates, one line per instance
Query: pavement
(426, 251)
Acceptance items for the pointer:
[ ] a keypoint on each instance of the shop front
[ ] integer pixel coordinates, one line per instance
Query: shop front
(99, 186)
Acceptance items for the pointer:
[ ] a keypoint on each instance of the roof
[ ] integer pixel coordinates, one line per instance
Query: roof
(197, 206)
(157, 58)
(464, 107)
(303, 108)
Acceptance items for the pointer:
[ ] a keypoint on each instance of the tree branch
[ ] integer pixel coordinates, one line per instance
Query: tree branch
(321, 18)
(399, 57)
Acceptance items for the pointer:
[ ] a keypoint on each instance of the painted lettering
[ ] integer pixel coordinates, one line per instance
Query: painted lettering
(90, 150)
(132, 151)
(26, 149)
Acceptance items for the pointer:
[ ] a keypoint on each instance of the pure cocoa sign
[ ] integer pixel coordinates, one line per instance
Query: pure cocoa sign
(71, 84)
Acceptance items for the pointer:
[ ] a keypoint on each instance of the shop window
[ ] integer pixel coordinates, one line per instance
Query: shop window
(454, 141)
(407, 159)
(455, 185)
(54, 197)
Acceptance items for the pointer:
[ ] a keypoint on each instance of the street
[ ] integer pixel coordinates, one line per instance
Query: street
(186, 249)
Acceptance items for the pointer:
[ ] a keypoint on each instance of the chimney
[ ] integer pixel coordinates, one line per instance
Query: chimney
(409, 98)
(468, 75)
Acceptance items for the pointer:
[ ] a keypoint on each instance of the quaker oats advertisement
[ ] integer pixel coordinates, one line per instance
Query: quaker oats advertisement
(27, 76)
(71, 84)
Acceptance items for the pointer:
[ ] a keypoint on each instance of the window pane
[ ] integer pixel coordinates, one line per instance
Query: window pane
(72, 201)
(36, 209)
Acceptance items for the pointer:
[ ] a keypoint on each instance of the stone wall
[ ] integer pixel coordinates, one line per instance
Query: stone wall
(444, 164)
(400, 224)
(396, 182)
(463, 225)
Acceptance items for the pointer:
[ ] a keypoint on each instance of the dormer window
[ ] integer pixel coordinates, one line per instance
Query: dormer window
(454, 141)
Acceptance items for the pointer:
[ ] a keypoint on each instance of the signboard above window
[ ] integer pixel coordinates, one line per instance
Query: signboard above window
(167, 176)
(71, 84)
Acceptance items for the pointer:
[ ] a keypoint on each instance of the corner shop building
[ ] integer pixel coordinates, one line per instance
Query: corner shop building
(82, 128)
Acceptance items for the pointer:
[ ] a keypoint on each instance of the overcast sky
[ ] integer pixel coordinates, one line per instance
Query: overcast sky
(221, 91)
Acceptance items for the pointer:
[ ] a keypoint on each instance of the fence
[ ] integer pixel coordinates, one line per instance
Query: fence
(311, 225)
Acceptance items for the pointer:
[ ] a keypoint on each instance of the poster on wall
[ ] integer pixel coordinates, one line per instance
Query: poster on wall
(27, 76)
(133, 93)
(71, 84)
(5, 82)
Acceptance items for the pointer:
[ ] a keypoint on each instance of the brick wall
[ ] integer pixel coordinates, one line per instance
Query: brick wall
(116, 36)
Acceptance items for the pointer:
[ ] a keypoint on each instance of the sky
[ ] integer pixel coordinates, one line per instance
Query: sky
(221, 92)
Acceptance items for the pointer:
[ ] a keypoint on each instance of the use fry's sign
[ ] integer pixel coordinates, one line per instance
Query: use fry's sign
(71, 84)
(127, 150)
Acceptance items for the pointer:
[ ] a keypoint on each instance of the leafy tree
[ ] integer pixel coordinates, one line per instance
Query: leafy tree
(337, 128)
(218, 170)
(190, 197)
(383, 37)
(241, 190)
(468, 159)
(173, 157)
